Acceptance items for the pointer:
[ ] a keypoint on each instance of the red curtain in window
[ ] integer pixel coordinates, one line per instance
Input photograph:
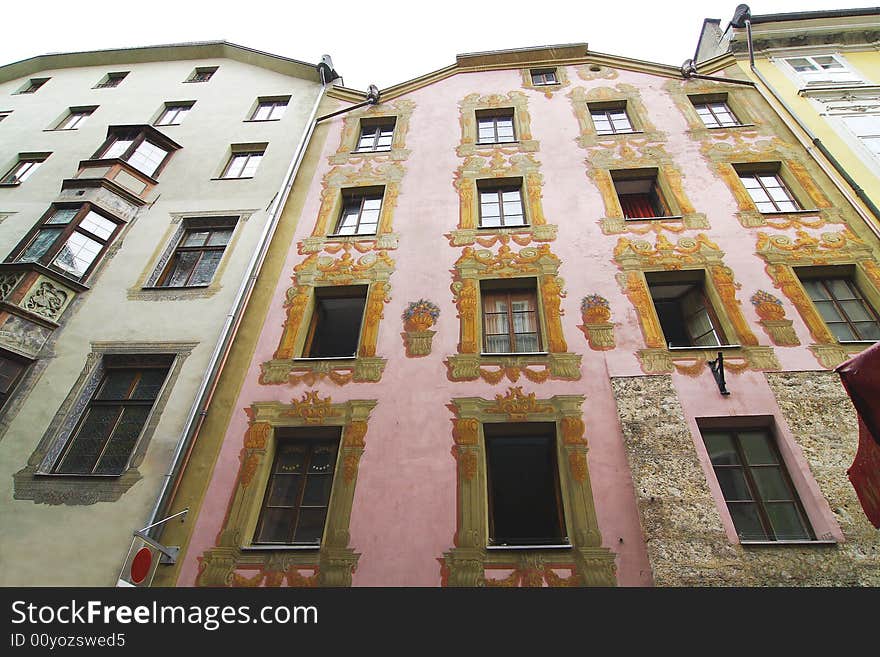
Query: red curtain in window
(637, 206)
(861, 378)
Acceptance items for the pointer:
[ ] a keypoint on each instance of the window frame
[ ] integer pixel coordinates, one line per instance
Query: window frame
(47, 258)
(11, 177)
(82, 112)
(824, 275)
(805, 77)
(378, 124)
(488, 293)
(108, 363)
(306, 436)
(605, 108)
(698, 281)
(333, 292)
(359, 195)
(140, 135)
(754, 490)
(500, 187)
(506, 431)
(33, 86)
(237, 151)
(513, 286)
(111, 80)
(542, 75)
(25, 364)
(708, 102)
(198, 73)
(177, 107)
(493, 115)
(210, 226)
(275, 102)
(659, 196)
(776, 171)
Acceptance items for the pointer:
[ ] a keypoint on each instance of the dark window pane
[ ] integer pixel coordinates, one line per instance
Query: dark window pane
(757, 448)
(337, 326)
(125, 434)
(311, 525)
(771, 484)
(733, 484)
(317, 491)
(41, 243)
(116, 385)
(149, 384)
(204, 270)
(89, 440)
(285, 490)
(524, 491)
(291, 458)
(276, 526)
(747, 521)
(787, 522)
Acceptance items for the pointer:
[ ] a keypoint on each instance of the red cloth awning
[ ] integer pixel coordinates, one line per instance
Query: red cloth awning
(861, 378)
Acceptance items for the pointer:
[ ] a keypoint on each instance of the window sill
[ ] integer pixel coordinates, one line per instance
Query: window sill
(788, 543)
(494, 354)
(164, 125)
(10, 184)
(496, 143)
(280, 548)
(858, 342)
(620, 134)
(366, 236)
(555, 546)
(60, 129)
(372, 152)
(630, 220)
(704, 347)
(176, 287)
(310, 359)
(260, 120)
(517, 227)
(725, 127)
(339, 369)
(795, 212)
(241, 178)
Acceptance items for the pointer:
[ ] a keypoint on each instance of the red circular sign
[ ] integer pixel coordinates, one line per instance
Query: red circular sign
(140, 565)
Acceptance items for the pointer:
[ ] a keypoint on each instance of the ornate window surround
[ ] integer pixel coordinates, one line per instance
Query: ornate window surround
(371, 173)
(473, 103)
(636, 257)
(145, 290)
(547, 89)
(333, 562)
(842, 249)
(744, 101)
(34, 483)
(500, 166)
(467, 564)
(374, 270)
(624, 94)
(401, 110)
(536, 263)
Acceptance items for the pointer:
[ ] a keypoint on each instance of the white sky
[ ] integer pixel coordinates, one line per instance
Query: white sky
(380, 42)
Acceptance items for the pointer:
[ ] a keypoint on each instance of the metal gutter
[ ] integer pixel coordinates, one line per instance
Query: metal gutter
(198, 412)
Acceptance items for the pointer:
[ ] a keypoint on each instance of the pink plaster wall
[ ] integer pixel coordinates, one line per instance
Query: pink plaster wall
(403, 517)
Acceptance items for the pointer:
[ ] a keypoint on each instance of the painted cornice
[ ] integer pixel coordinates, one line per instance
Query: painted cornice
(161, 53)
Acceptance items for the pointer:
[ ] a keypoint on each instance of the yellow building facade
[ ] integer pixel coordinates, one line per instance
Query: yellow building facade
(821, 70)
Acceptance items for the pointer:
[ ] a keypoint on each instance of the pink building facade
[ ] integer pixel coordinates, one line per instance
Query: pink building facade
(534, 256)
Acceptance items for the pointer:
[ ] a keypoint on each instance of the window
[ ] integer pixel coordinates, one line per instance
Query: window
(133, 147)
(111, 80)
(12, 368)
(610, 119)
(197, 255)
(270, 109)
(768, 191)
(360, 212)
(759, 494)
(510, 318)
(243, 163)
(715, 113)
(495, 126)
(543, 76)
(843, 307)
(376, 135)
(202, 74)
(822, 69)
(174, 113)
(640, 195)
(69, 239)
(335, 328)
(501, 205)
(685, 314)
(75, 118)
(522, 477)
(866, 128)
(108, 430)
(32, 85)
(294, 508)
(23, 169)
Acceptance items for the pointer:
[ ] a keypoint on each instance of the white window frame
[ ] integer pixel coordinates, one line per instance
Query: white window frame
(811, 79)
